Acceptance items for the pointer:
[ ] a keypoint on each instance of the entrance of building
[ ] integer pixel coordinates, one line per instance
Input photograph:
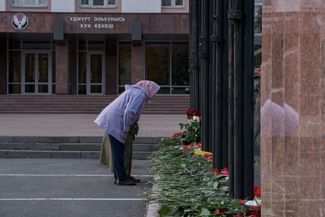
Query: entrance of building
(36, 72)
(95, 72)
(91, 73)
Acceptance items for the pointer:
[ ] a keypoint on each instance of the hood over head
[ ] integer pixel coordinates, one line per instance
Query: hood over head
(150, 87)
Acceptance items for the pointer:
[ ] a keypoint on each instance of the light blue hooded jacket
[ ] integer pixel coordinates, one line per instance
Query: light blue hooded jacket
(117, 118)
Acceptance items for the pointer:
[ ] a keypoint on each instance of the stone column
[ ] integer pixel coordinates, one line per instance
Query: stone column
(293, 108)
(62, 68)
(138, 63)
(111, 67)
(73, 60)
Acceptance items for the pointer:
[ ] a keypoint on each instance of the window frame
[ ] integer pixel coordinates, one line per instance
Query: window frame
(173, 4)
(91, 4)
(171, 71)
(24, 5)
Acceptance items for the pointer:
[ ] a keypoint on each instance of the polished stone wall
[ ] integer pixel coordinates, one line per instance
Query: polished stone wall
(293, 108)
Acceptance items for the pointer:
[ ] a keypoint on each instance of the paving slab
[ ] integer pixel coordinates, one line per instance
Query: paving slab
(81, 125)
(69, 188)
(72, 208)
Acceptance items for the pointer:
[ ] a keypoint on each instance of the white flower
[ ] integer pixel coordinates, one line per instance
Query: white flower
(255, 202)
(196, 118)
(156, 177)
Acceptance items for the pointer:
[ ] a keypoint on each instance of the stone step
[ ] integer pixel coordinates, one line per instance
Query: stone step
(69, 146)
(70, 139)
(50, 139)
(71, 104)
(139, 155)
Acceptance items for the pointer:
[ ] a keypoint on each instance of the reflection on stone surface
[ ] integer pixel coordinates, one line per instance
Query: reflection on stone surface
(279, 116)
(293, 108)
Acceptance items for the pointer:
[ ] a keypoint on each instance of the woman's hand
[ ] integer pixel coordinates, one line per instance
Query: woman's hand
(125, 135)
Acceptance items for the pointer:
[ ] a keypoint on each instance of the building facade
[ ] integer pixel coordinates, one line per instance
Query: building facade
(92, 47)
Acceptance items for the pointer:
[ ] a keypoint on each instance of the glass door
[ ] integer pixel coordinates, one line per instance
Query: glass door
(36, 72)
(95, 72)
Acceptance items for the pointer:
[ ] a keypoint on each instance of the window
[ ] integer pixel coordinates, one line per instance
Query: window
(180, 74)
(29, 3)
(158, 65)
(98, 3)
(172, 3)
(167, 65)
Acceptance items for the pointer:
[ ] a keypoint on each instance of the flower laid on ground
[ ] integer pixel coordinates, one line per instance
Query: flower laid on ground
(205, 154)
(225, 172)
(188, 185)
(177, 135)
(254, 206)
(193, 146)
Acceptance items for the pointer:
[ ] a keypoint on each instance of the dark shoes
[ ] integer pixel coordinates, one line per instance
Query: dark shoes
(125, 182)
(134, 179)
(129, 181)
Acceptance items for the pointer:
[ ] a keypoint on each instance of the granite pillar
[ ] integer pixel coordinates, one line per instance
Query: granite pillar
(111, 67)
(137, 63)
(293, 108)
(73, 56)
(62, 67)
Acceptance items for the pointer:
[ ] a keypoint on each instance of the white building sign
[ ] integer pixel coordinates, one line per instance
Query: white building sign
(96, 22)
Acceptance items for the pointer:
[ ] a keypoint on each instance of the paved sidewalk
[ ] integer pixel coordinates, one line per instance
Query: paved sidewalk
(80, 125)
(68, 188)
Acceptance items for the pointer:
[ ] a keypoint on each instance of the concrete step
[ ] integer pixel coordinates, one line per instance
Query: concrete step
(67, 147)
(50, 139)
(71, 104)
(70, 139)
(138, 155)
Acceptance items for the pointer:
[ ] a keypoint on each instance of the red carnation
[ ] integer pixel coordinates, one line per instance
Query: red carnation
(219, 211)
(257, 191)
(254, 211)
(207, 155)
(177, 134)
(224, 171)
(192, 112)
(214, 171)
(184, 148)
